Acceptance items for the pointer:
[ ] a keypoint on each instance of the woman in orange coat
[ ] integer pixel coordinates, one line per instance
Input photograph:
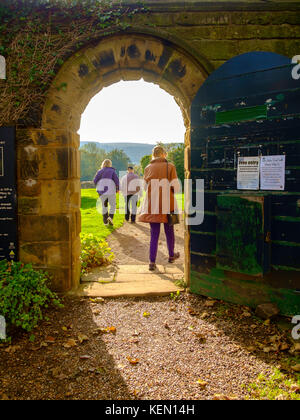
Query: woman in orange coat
(162, 183)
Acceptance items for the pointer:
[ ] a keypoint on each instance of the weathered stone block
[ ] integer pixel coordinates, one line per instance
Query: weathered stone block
(46, 254)
(28, 205)
(29, 188)
(44, 228)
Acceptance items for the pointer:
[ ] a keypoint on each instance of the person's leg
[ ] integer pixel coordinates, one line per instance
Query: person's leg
(104, 200)
(113, 205)
(134, 200)
(127, 209)
(170, 236)
(155, 231)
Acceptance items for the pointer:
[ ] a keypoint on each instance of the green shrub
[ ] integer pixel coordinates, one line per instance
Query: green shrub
(24, 293)
(94, 252)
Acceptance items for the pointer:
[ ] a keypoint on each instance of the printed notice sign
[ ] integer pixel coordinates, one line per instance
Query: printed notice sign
(8, 195)
(272, 173)
(248, 173)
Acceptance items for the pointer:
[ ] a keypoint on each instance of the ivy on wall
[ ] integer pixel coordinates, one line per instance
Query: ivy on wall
(36, 38)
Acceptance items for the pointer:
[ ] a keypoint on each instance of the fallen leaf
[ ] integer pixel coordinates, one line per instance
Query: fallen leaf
(112, 330)
(50, 340)
(70, 343)
(220, 397)
(209, 303)
(82, 338)
(192, 312)
(200, 337)
(133, 361)
(12, 349)
(296, 347)
(295, 388)
(284, 346)
(201, 383)
(296, 368)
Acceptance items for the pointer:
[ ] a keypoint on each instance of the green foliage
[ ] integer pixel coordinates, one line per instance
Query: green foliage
(38, 36)
(277, 386)
(91, 158)
(119, 160)
(176, 155)
(145, 162)
(94, 252)
(175, 296)
(24, 293)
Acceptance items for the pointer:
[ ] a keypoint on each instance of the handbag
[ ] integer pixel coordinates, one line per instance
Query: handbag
(173, 218)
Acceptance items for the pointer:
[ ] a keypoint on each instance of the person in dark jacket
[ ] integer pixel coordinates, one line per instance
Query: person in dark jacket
(131, 192)
(107, 185)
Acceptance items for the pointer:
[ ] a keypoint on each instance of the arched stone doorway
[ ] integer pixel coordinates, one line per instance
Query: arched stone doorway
(50, 238)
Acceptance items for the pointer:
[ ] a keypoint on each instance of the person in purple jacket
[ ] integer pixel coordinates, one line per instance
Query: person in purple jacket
(107, 185)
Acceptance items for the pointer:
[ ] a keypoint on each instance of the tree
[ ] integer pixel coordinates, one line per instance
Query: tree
(145, 162)
(91, 158)
(176, 156)
(120, 160)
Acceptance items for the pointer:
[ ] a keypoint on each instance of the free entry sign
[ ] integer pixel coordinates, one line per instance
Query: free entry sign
(8, 195)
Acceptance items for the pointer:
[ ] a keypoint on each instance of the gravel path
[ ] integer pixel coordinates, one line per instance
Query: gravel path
(159, 350)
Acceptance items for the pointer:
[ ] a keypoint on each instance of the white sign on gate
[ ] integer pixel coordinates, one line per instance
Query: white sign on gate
(272, 173)
(248, 173)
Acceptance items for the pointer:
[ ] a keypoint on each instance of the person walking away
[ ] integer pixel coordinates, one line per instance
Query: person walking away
(131, 192)
(107, 185)
(158, 170)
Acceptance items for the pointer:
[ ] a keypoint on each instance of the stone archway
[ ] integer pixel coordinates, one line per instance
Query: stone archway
(50, 237)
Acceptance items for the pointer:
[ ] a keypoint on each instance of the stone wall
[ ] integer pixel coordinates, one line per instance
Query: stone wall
(176, 44)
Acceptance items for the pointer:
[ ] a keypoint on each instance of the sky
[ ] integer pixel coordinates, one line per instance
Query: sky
(135, 112)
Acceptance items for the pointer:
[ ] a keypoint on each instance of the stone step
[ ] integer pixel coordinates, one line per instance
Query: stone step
(132, 284)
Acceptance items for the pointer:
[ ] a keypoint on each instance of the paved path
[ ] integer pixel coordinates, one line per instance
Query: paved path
(129, 275)
(131, 281)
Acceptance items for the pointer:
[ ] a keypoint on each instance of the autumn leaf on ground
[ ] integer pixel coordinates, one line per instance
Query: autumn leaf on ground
(201, 383)
(209, 303)
(70, 343)
(50, 340)
(296, 368)
(221, 397)
(82, 338)
(132, 361)
(200, 336)
(112, 329)
(192, 312)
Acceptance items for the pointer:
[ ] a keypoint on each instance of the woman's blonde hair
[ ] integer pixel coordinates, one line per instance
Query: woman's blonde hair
(158, 151)
(107, 163)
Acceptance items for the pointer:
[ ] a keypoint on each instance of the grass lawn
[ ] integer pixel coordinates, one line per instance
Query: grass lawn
(91, 218)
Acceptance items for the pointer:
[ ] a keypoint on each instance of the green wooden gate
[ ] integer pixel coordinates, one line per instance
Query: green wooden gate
(247, 250)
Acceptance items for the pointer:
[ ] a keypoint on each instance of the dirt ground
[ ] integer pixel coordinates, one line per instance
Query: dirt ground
(131, 242)
(139, 349)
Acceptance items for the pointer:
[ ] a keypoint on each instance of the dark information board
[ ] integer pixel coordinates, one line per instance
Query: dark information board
(8, 195)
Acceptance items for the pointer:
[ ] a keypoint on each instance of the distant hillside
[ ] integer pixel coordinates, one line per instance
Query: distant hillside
(134, 150)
